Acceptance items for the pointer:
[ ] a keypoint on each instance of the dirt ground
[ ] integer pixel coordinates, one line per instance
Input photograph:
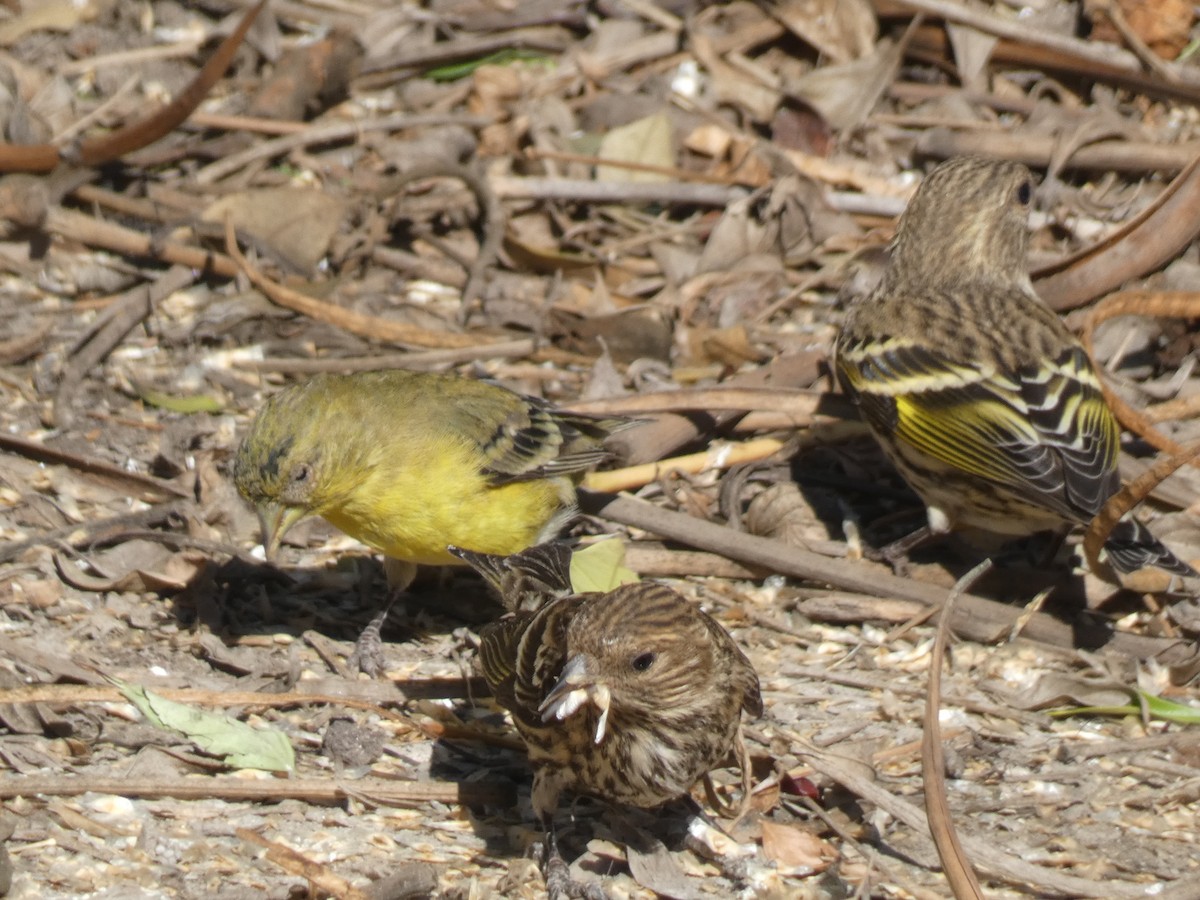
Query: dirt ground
(657, 209)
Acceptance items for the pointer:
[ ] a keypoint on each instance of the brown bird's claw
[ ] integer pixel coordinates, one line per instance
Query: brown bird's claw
(574, 690)
(559, 883)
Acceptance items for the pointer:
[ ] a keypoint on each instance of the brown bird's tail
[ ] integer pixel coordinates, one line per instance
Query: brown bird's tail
(1131, 546)
(528, 579)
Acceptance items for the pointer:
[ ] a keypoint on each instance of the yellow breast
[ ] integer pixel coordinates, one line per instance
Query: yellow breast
(413, 508)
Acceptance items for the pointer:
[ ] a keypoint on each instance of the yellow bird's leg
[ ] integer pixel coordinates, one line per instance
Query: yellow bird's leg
(367, 656)
(896, 553)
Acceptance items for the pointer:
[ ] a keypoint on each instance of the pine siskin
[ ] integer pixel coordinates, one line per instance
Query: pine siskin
(982, 398)
(410, 462)
(631, 695)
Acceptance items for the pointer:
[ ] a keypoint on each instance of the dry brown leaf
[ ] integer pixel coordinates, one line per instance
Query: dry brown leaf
(1058, 689)
(294, 224)
(730, 85)
(641, 332)
(656, 868)
(648, 141)
(795, 851)
(54, 15)
(840, 29)
(1163, 25)
(844, 95)
(972, 52)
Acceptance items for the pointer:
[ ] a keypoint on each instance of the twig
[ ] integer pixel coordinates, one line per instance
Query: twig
(492, 213)
(312, 790)
(1153, 237)
(126, 58)
(423, 359)
(1015, 30)
(1036, 150)
(370, 695)
(1130, 496)
(955, 864)
(1003, 865)
(354, 322)
(296, 863)
(125, 313)
(976, 618)
(1181, 304)
(583, 190)
(139, 134)
(721, 455)
(327, 134)
(73, 225)
(1152, 60)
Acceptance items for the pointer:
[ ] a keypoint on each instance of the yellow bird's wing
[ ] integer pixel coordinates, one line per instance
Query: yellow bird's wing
(533, 441)
(1040, 429)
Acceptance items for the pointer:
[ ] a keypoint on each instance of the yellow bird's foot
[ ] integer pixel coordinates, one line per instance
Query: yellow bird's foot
(896, 553)
(368, 655)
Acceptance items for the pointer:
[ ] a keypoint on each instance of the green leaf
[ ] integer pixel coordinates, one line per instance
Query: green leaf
(1155, 707)
(600, 567)
(195, 404)
(455, 71)
(234, 741)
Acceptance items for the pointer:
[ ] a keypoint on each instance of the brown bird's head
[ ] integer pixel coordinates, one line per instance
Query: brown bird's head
(966, 223)
(643, 655)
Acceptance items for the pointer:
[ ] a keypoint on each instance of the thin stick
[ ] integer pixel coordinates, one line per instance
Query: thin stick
(955, 864)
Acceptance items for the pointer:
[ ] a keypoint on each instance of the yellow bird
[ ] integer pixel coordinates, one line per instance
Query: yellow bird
(411, 462)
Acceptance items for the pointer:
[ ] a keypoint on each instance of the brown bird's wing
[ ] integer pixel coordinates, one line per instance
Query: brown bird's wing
(522, 654)
(741, 670)
(498, 643)
(1041, 428)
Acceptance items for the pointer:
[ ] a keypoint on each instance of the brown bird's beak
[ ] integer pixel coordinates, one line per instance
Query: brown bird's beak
(276, 520)
(576, 687)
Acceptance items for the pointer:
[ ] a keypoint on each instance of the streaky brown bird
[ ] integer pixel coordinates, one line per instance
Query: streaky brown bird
(631, 695)
(984, 401)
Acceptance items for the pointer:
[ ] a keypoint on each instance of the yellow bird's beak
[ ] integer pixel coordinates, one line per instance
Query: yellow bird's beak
(276, 520)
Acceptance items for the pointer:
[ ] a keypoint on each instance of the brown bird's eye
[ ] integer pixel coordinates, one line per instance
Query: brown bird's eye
(643, 661)
(300, 474)
(1024, 193)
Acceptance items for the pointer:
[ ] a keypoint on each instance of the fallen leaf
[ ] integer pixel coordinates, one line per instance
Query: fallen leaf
(295, 224)
(600, 567)
(795, 851)
(647, 141)
(237, 743)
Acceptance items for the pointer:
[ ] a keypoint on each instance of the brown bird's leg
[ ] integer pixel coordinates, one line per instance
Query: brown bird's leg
(1046, 560)
(559, 883)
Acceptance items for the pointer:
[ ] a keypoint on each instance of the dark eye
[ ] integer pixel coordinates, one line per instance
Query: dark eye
(300, 474)
(1024, 193)
(643, 661)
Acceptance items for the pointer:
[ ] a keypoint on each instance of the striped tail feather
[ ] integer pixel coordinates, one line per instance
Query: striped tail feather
(1131, 546)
